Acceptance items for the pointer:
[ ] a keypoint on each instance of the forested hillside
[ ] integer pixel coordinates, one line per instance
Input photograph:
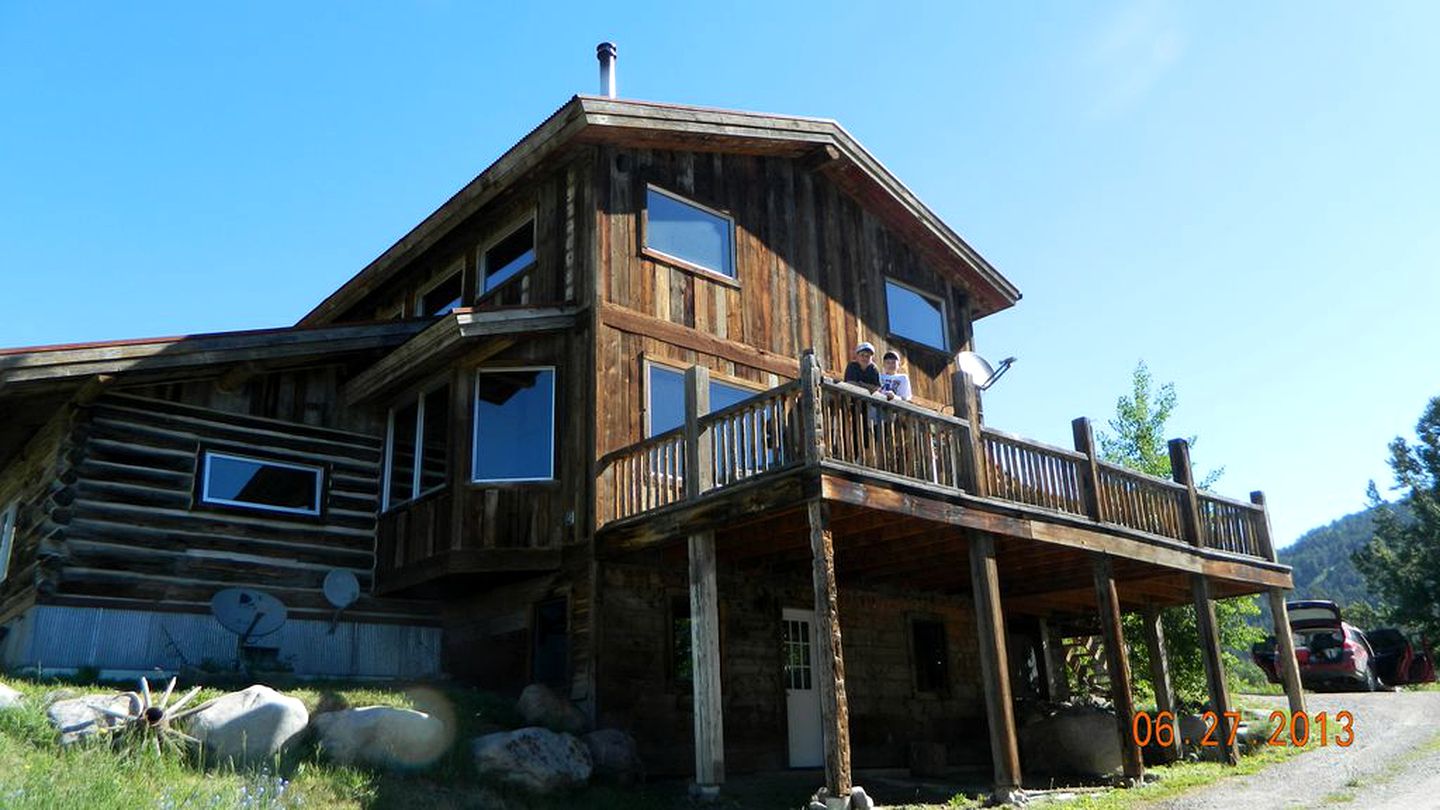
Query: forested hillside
(1321, 560)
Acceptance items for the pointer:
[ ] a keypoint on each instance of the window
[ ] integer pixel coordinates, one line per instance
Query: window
(798, 666)
(667, 397)
(550, 657)
(915, 316)
(509, 256)
(682, 663)
(514, 425)
(689, 232)
(440, 298)
(927, 643)
(252, 483)
(418, 460)
(7, 537)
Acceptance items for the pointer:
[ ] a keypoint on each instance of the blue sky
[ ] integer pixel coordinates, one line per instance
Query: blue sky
(1246, 198)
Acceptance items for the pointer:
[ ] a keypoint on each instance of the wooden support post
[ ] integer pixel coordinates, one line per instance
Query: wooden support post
(1214, 666)
(704, 600)
(1089, 471)
(994, 664)
(1118, 666)
(812, 409)
(1280, 619)
(829, 655)
(1052, 654)
(1181, 472)
(967, 407)
(1160, 677)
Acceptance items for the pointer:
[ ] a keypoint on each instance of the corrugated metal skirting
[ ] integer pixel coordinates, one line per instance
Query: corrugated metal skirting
(65, 638)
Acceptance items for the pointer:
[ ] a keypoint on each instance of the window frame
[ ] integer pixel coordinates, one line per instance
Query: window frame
(475, 424)
(647, 389)
(684, 264)
(9, 518)
(456, 270)
(202, 483)
(418, 396)
(482, 265)
(916, 342)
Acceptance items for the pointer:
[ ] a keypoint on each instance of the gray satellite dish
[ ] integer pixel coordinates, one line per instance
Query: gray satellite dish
(248, 613)
(341, 589)
(980, 369)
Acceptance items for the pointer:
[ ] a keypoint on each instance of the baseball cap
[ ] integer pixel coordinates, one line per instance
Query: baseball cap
(866, 346)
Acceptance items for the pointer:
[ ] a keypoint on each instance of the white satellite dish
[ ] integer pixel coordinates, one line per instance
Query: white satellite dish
(341, 589)
(248, 613)
(980, 369)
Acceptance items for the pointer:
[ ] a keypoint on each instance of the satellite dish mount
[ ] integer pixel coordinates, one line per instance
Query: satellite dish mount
(980, 369)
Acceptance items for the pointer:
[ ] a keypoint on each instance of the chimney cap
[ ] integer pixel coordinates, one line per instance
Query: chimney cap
(605, 49)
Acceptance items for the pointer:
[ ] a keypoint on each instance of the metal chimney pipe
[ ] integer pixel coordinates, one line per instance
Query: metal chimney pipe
(605, 52)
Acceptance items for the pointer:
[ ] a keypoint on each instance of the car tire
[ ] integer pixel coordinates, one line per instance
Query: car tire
(1372, 681)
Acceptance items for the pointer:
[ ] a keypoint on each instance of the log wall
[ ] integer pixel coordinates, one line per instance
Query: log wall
(29, 481)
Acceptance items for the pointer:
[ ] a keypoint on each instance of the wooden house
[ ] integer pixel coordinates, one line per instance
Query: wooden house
(581, 426)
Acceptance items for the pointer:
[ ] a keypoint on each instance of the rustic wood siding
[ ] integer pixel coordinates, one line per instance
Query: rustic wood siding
(306, 396)
(131, 533)
(29, 480)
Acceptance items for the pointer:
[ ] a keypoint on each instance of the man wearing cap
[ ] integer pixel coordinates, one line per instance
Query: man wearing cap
(862, 370)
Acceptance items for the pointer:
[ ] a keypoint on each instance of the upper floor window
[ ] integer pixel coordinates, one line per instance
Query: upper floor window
(441, 297)
(7, 537)
(688, 232)
(514, 425)
(417, 460)
(254, 483)
(915, 316)
(667, 397)
(508, 256)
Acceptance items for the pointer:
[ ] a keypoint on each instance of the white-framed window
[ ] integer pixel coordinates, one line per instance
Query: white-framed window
(508, 256)
(417, 446)
(258, 483)
(514, 427)
(7, 537)
(665, 397)
(686, 232)
(441, 295)
(916, 316)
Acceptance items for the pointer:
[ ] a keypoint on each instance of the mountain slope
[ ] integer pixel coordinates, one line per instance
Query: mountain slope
(1321, 560)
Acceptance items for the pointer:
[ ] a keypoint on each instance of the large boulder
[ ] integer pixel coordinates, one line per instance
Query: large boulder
(9, 697)
(1081, 741)
(82, 717)
(248, 727)
(541, 707)
(533, 759)
(400, 739)
(613, 755)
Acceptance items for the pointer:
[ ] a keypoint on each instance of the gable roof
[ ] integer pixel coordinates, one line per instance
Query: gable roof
(590, 119)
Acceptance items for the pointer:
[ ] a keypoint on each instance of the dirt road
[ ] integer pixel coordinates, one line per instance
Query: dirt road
(1393, 763)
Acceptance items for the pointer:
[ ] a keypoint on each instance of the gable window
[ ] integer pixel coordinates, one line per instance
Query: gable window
(440, 298)
(508, 256)
(666, 388)
(7, 537)
(688, 232)
(928, 653)
(253, 483)
(418, 457)
(514, 425)
(915, 316)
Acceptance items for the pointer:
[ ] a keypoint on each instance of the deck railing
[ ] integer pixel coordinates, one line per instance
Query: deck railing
(817, 421)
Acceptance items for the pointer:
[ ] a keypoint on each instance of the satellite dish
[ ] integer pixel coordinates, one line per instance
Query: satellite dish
(980, 369)
(341, 589)
(248, 613)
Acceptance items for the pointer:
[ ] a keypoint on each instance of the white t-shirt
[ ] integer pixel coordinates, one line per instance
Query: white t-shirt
(897, 384)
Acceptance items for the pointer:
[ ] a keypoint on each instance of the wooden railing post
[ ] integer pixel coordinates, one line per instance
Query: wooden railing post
(704, 598)
(967, 407)
(812, 410)
(699, 461)
(1280, 617)
(1090, 471)
(1181, 472)
(1261, 524)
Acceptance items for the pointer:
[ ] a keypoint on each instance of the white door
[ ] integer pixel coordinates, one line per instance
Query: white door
(802, 693)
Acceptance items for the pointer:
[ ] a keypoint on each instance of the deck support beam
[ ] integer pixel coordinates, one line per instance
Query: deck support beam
(994, 665)
(1214, 666)
(1280, 619)
(1052, 653)
(704, 602)
(1160, 677)
(829, 654)
(1118, 666)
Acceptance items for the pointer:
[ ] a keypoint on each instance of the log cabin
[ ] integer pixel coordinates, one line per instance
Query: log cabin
(583, 426)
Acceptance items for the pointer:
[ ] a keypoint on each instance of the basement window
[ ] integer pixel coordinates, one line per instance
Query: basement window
(915, 316)
(550, 655)
(688, 233)
(418, 457)
(514, 425)
(440, 298)
(928, 654)
(682, 663)
(253, 483)
(7, 537)
(508, 256)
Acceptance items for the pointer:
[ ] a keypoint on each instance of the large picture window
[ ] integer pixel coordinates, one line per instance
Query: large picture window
(418, 451)
(666, 388)
(687, 231)
(255, 483)
(7, 537)
(514, 425)
(508, 256)
(915, 316)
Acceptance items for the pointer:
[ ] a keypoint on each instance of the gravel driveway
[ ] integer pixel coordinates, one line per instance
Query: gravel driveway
(1388, 766)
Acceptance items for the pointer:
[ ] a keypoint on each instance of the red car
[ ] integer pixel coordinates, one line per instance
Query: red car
(1333, 654)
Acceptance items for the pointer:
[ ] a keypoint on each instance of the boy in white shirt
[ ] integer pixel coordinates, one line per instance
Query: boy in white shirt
(894, 382)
